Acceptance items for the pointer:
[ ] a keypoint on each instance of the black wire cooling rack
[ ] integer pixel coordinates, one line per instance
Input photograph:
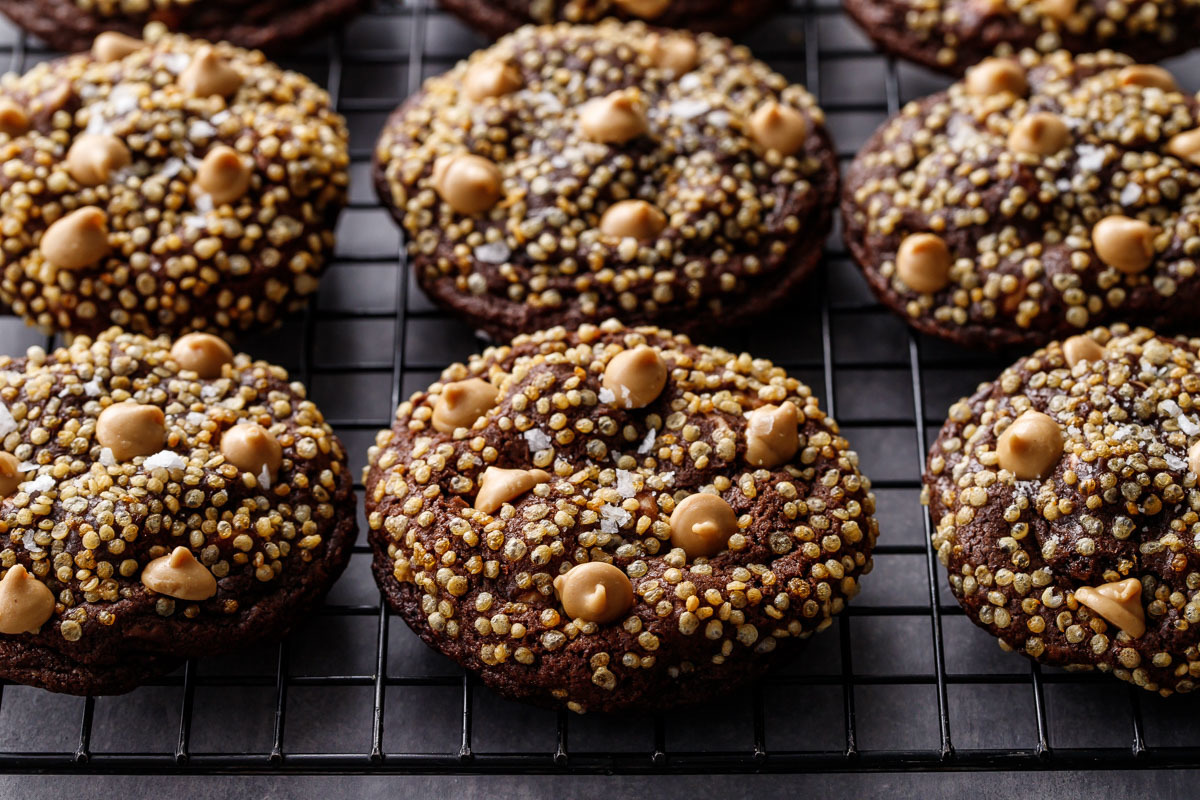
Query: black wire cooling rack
(902, 682)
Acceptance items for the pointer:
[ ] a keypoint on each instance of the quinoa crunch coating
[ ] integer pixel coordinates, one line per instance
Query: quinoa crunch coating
(1062, 191)
(951, 35)
(488, 588)
(1093, 565)
(206, 181)
(570, 174)
(70, 25)
(247, 556)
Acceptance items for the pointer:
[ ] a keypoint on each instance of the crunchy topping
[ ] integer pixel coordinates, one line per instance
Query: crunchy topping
(177, 262)
(596, 592)
(484, 582)
(25, 602)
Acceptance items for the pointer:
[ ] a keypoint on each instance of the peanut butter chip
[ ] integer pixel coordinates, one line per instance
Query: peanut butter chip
(10, 475)
(1060, 10)
(461, 403)
(491, 77)
(615, 118)
(498, 486)
(1186, 146)
(701, 524)
(923, 262)
(113, 46)
(1030, 446)
(252, 448)
(1082, 348)
(469, 183)
(179, 575)
(78, 240)
(675, 53)
(13, 119)
(1120, 603)
(635, 377)
(202, 353)
(94, 157)
(210, 74)
(1040, 133)
(1126, 245)
(1147, 76)
(1194, 458)
(772, 436)
(223, 175)
(996, 75)
(130, 430)
(25, 602)
(595, 591)
(645, 9)
(778, 127)
(634, 219)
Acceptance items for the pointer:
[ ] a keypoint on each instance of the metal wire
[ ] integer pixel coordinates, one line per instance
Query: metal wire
(411, 354)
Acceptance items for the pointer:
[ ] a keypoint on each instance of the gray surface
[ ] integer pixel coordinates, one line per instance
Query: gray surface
(359, 322)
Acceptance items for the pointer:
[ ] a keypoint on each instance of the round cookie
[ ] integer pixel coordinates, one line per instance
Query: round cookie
(573, 173)
(614, 518)
(70, 25)
(1033, 200)
(165, 185)
(951, 35)
(161, 501)
(1063, 500)
(498, 17)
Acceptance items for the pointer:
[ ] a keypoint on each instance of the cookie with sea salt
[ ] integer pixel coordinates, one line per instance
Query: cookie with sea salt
(570, 174)
(1063, 497)
(70, 25)
(498, 17)
(615, 518)
(160, 501)
(165, 185)
(951, 35)
(1034, 199)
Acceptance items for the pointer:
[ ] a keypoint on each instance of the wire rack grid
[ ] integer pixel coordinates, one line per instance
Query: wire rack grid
(903, 681)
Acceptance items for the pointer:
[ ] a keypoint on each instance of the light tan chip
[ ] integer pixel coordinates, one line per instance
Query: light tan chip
(131, 429)
(636, 377)
(25, 602)
(633, 219)
(701, 524)
(1194, 458)
(923, 262)
(643, 9)
(224, 175)
(1120, 603)
(1148, 76)
(1186, 146)
(615, 118)
(1030, 446)
(113, 46)
(778, 127)
(1082, 348)
(94, 157)
(210, 74)
(13, 119)
(772, 436)
(1126, 245)
(461, 403)
(1040, 133)
(491, 77)
(202, 353)
(78, 240)
(1060, 10)
(179, 575)
(498, 486)
(10, 475)
(252, 448)
(595, 591)
(675, 53)
(996, 76)
(469, 183)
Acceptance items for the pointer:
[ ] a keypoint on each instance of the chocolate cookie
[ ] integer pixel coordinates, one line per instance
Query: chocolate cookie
(498, 17)
(71, 25)
(1063, 497)
(1034, 199)
(951, 35)
(615, 518)
(572, 174)
(165, 185)
(162, 501)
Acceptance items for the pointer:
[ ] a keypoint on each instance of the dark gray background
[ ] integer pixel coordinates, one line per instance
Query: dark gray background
(370, 339)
